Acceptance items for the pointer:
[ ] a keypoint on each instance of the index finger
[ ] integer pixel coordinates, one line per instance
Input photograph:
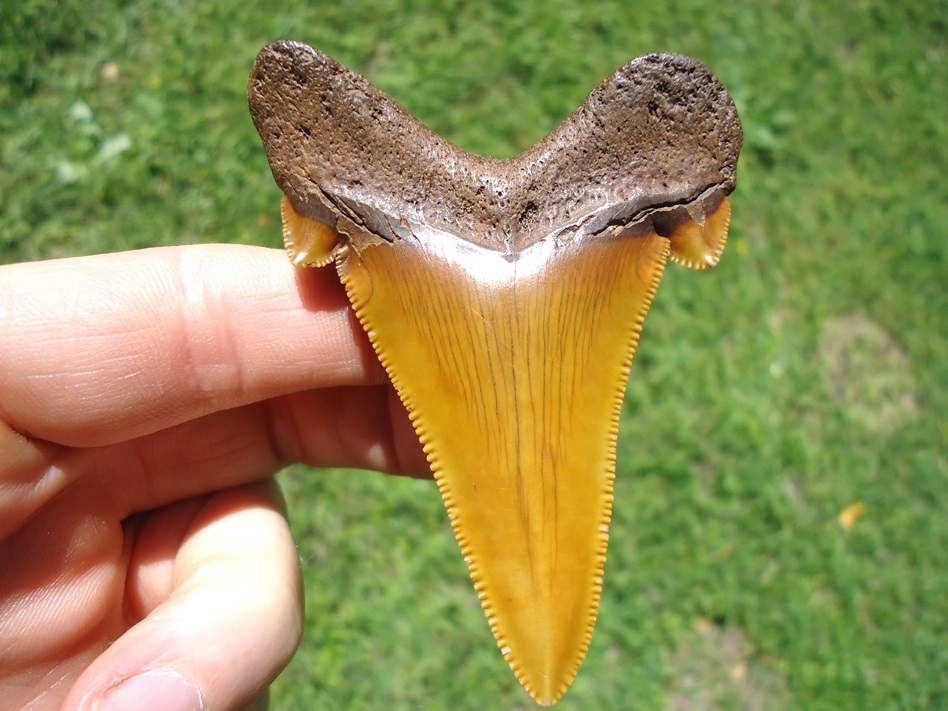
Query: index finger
(95, 350)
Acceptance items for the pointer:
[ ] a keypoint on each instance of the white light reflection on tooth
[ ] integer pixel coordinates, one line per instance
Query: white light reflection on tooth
(483, 265)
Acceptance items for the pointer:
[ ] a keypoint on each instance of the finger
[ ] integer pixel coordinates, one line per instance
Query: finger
(222, 599)
(365, 428)
(99, 349)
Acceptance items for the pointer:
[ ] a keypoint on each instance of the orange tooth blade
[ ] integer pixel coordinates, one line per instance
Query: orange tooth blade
(513, 368)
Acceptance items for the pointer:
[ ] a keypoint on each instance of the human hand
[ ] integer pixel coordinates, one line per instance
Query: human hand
(146, 400)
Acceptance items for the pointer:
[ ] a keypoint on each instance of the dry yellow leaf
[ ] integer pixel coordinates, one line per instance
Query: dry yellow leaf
(847, 517)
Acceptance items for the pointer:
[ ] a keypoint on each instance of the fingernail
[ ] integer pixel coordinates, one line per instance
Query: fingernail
(157, 690)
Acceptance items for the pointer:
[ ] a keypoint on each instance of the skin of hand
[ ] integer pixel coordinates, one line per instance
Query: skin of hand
(146, 401)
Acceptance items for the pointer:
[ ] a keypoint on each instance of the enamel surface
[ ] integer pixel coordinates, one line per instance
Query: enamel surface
(515, 387)
(505, 301)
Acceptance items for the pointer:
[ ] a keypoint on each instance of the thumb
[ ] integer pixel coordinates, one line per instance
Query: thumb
(222, 612)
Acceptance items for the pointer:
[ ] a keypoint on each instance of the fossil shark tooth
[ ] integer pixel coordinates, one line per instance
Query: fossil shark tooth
(505, 300)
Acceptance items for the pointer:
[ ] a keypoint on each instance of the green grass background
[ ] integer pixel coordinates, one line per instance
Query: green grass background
(804, 374)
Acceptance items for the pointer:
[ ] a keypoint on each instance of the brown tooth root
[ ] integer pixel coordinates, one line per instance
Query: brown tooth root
(505, 300)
